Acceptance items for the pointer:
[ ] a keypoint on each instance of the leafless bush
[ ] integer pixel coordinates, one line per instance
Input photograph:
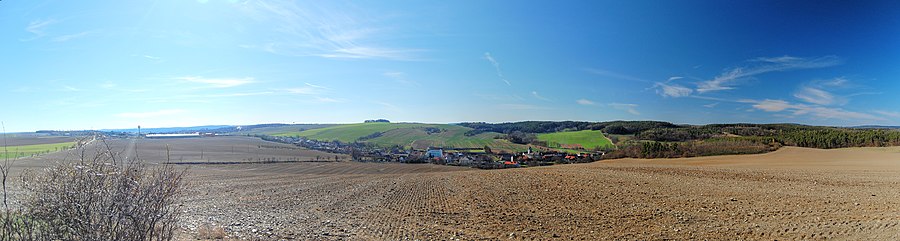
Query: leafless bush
(15, 225)
(97, 198)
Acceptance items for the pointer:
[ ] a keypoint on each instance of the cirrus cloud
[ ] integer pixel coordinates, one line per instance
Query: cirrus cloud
(585, 102)
(729, 79)
(218, 82)
(797, 109)
(630, 108)
(672, 90)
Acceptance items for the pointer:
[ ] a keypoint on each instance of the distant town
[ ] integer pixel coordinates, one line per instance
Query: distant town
(483, 158)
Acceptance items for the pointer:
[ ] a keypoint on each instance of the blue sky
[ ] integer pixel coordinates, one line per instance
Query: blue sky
(119, 64)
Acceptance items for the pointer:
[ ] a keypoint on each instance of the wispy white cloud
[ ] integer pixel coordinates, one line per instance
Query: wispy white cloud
(320, 99)
(538, 96)
(711, 105)
(728, 80)
(308, 89)
(113, 86)
(815, 92)
(108, 85)
(218, 82)
(394, 74)
(615, 75)
(490, 58)
(825, 112)
(672, 90)
(499, 97)
(782, 59)
(70, 88)
(674, 78)
(769, 105)
(389, 106)
(242, 94)
(815, 96)
(314, 93)
(153, 58)
(316, 86)
(585, 102)
(400, 77)
(891, 114)
(836, 82)
(68, 37)
(38, 28)
(340, 32)
(630, 108)
(795, 109)
(720, 82)
(150, 114)
(203, 98)
(371, 53)
(519, 107)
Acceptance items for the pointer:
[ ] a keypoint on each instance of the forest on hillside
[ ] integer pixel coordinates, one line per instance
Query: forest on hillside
(656, 139)
(612, 127)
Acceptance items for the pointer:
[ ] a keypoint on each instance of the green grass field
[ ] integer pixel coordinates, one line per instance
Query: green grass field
(29, 150)
(589, 139)
(450, 136)
(288, 129)
(349, 132)
(408, 135)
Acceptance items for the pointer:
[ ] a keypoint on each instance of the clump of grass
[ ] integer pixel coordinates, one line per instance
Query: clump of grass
(207, 231)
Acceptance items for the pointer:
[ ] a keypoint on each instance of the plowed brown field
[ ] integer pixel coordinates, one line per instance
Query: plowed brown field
(793, 193)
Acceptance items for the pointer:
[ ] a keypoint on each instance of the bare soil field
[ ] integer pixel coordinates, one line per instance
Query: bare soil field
(19, 139)
(793, 193)
(227, 148)
(205, 149)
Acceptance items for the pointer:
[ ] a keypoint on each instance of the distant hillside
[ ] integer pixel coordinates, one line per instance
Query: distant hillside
(350, 132)
(269, 129)
(443, 135)
(618, 138)
(415, 135)
(875, 127)
(170, 129)
(234, 129)
(612, 127)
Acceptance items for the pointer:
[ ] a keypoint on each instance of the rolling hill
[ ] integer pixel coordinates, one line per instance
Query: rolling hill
(415, 135)
(267, 129)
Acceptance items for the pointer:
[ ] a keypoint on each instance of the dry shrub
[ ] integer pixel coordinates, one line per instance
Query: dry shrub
(207, 231)
(98, 198)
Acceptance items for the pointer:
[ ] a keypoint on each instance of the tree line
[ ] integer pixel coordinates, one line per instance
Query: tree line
(657, 139)
(748, 139)
(785, 134)
(611, 127)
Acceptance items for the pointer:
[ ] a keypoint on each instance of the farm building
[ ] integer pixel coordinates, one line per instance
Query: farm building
(432, 153)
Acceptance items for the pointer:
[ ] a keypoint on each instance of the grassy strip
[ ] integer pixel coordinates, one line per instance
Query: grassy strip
(31, 150)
